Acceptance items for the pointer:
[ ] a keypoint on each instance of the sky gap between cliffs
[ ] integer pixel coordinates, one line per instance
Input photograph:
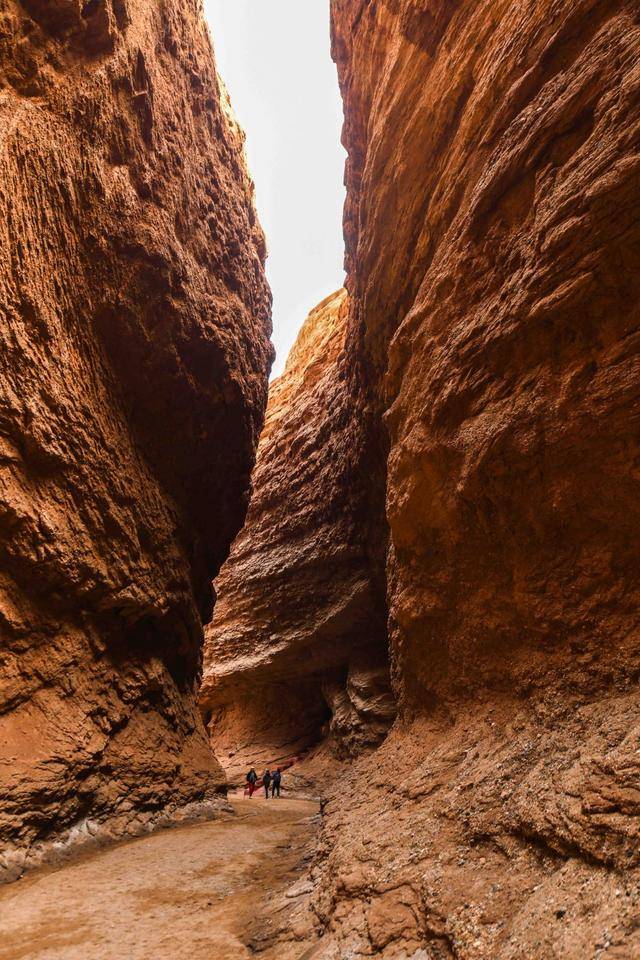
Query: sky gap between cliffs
(275, 60)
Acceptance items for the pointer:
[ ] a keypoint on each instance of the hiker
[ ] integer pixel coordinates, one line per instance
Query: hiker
(266, 779)
(252, 778)
(277, 779)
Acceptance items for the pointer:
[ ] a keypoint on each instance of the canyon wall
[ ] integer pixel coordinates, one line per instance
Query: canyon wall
(135, 319)
(493, 254)
(499, 155)
(297, 644)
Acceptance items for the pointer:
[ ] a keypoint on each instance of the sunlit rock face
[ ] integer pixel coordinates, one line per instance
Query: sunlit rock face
(493, 249)
(297, 644)
(135, 318)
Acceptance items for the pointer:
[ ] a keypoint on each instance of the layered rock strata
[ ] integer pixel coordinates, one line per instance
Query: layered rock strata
(297, 643)
(493, 247)
(135, 321)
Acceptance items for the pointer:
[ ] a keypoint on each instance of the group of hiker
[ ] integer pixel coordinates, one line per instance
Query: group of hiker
(269, 781)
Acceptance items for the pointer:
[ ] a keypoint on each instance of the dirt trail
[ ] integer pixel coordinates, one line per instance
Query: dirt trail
(216, 890)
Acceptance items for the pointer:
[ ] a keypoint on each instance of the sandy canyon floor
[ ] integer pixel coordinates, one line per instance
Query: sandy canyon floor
(222, 890)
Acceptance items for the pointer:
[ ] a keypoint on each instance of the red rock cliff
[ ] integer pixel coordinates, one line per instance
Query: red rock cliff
(135, 319)
(498, 156)
(297, 638)
(493, 255)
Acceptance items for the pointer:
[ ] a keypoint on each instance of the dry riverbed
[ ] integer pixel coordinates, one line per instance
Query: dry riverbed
(222, 890)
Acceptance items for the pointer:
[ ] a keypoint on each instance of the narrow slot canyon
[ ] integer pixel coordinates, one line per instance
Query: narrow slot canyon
(296, 653)
(405, 572)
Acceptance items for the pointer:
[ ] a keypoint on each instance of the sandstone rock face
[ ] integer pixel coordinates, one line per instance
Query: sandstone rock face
(499, 156)
(297, 638)
(493, 250)
(134, 317)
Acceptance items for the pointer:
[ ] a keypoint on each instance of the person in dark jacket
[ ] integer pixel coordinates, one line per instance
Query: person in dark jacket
(252, 778)
(277, 780)
(266, 779)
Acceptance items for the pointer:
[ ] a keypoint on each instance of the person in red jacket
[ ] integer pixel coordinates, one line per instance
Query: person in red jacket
(252, 778)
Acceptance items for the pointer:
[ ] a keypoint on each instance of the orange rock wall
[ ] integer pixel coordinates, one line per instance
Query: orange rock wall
(297, 640)
(493, 267)
(134, 352)
(492, 253)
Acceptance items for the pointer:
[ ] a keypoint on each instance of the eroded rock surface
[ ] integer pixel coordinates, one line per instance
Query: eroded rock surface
(297, 639)
(135, 318)
(493, 247)
(507, 307)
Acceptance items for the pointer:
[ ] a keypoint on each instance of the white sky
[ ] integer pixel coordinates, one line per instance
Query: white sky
(274, 58)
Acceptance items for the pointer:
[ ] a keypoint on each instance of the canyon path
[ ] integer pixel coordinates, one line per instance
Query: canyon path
(196, 892)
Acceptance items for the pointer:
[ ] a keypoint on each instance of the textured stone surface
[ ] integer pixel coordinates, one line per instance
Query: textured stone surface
(493, 250)
(506, 831)
(298, 633)
(507, 307)
(134, 320)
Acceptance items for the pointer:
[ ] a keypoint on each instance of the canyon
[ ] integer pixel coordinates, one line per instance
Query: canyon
(298, 637)
(489, 438)
(431, 603)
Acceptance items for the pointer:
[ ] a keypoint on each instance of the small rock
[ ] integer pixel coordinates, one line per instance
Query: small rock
(299, 889)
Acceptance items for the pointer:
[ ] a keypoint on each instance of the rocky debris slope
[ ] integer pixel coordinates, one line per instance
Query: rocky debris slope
(297, 638)
(493, 250)
(507, 830)
(134, 356)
